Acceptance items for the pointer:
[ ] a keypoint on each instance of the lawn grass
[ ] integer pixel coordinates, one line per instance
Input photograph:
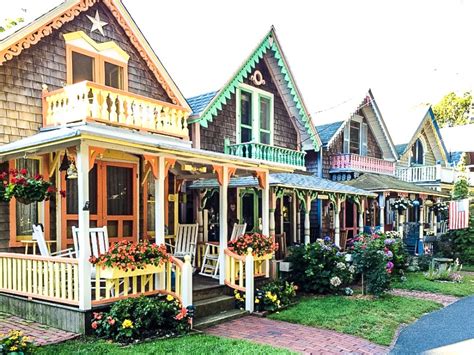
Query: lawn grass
(469, 268)
(417, 281)
(192, 344)
(373, 319)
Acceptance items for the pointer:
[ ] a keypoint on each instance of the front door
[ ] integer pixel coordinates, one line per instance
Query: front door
(112, 201)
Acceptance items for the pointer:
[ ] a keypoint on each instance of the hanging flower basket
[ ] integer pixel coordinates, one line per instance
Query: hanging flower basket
(26, 189)
(401, 205)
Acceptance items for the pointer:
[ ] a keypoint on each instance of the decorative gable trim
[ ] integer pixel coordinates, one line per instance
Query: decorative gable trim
(269, 43)
(31, 34)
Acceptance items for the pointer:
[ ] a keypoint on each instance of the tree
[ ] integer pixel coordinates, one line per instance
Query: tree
(453, 110)
(461, 186)
(9, 23)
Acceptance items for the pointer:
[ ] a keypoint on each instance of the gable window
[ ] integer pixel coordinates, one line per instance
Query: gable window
(417, 153)
(355, 136)
(82, 68)
(254, 115)
(102, 63)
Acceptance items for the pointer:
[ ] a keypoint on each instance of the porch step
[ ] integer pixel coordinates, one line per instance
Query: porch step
(211, 306)
(215, 319)
(200, 294)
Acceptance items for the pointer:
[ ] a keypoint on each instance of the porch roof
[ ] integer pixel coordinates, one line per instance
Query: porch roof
(48, 140)
(380, 183)
(288, 180)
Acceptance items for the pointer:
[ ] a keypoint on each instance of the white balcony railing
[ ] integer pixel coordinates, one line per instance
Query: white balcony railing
(88, 101)
(431, 173)
(355, 162)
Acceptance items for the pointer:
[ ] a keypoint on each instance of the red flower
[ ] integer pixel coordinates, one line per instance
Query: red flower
(110, 320)
(23, 171)
(94, 325)
(51, 189)
(62, 193)
(13, 172)
(38, 177)
(181, 314)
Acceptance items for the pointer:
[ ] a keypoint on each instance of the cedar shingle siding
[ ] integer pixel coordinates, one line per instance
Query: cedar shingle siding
(22, 77)
(224, 124)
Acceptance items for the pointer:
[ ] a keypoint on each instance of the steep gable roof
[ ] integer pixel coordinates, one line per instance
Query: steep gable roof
(327, 131)
(346, 111)
(28, 34)
(284, 79)
(429, 123)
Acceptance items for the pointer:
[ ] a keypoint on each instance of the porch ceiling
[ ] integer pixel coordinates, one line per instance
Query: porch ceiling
(128, 141)
(288, 180)
(380, 183)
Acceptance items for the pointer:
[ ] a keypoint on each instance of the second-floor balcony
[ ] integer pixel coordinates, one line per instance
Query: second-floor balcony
(88, 101)
(431, 174)
(266, 152)
(360, 163)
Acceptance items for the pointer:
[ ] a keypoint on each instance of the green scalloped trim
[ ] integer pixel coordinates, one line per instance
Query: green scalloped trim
(229, 89)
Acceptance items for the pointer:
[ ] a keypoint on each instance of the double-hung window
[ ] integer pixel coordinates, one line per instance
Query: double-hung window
(254, 115)
(355, 136)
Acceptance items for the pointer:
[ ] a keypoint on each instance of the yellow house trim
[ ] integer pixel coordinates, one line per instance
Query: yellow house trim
(99, 47)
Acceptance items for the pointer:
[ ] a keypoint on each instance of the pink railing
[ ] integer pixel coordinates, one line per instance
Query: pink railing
(362, 163)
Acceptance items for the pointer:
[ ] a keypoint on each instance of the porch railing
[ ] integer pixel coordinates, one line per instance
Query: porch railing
(348, 162)
(241, 270)
(173, 280)
(432, 173)
(88, 101)
(266, 152)
(37, 277)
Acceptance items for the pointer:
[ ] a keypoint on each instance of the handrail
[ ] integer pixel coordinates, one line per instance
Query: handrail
(266, 152)
(86, 101)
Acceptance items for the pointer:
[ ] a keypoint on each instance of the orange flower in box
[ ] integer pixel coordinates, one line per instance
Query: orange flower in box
(260, 244)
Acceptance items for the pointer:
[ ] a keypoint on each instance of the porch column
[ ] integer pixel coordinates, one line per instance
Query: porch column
(401, 220)
(422, 220)
(432, 223)
(337, 227)
(361, 215)
(85, 286)
(223, 222)
(265, 205)
(294, 217)
(272, 213)
(159, 203)
(382, 212)
(307, 209)
(298, 224)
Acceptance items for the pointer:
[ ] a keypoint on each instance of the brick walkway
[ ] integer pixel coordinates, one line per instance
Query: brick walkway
(40, 334)
(295, 337)
(445, 300)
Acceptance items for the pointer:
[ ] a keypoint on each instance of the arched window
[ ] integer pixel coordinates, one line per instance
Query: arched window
(417, 153)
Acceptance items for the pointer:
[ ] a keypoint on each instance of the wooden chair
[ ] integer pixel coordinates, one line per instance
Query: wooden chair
(185, 241)
(210, 263)
(38, 236)
(98, 239)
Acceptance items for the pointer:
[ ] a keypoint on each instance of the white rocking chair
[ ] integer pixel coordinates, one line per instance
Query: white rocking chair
(185, 242)
(210, 262)
(98, 239)
(38, 236)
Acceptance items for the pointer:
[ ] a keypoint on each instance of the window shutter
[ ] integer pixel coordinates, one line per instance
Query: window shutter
(363, 139)
(346, 138)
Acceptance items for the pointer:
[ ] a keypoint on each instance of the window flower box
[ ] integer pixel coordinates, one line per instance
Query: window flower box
(116, 273)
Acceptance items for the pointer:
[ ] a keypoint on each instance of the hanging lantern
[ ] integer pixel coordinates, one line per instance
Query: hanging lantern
(71, 172)
(65, 162)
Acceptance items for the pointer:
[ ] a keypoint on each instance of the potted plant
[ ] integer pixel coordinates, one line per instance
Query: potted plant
(262, 246)
(125, 259)
(27, 189)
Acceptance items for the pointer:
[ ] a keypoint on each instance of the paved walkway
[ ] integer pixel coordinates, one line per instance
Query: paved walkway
(295, 337)
(449, 330)
(40, 334)
(445, 300)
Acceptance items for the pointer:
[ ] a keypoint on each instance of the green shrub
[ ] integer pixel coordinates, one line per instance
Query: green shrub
(15, 343)
(377, 257)
(142, 317)
(320, 268)
(451, 273)
(275, 295)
